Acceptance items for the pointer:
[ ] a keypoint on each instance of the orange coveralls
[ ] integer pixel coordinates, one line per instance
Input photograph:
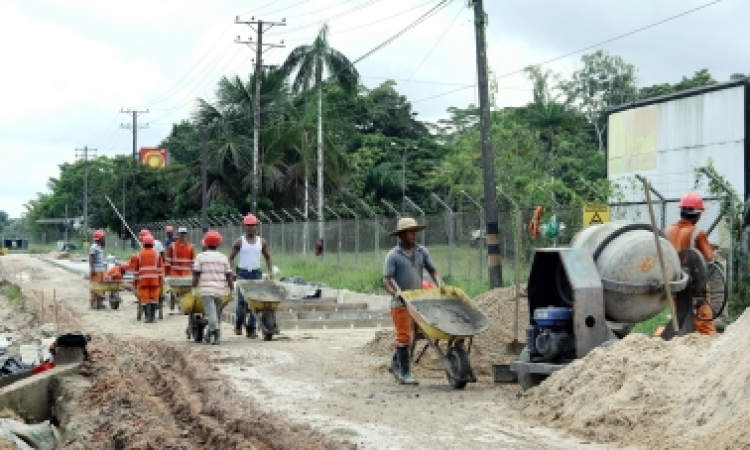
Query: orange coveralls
(180, 258)
(682, 235)
(148, 270)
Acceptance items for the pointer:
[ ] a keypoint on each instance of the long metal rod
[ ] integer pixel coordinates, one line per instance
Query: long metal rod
(123, 221)
(667, 287)
(480, 242)
(450, 232)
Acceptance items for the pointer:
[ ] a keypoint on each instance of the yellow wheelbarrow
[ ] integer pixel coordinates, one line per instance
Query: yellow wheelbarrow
(191, 305)
(162, 293)
(263, 298)
(446, 314)
(111, 287)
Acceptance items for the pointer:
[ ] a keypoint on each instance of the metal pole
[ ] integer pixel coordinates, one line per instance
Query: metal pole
(377, 225)
(356, 233)
(450, 233)
(661, 199)
(294, 233)
(480, 243)
(424, 220)
(204, 180)
(338, 218)
(283, 239)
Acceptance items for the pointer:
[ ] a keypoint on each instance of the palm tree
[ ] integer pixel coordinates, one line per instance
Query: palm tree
(310, 63)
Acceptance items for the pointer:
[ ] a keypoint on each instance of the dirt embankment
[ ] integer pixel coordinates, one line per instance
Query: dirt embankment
(691, 392)
(154, 395)
(488, 348)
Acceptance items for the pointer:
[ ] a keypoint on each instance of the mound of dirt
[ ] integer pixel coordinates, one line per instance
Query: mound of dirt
(488, 348)
(690, 392)
(153, 395)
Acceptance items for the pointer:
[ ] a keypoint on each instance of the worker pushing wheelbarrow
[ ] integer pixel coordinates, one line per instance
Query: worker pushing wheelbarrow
(264, 297)
(110, 286)
(446, 314)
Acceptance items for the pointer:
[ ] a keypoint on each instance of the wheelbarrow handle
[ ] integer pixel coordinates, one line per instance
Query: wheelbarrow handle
(399, 295)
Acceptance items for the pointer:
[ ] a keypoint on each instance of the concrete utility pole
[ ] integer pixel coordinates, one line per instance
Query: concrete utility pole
(494, 260)
(259, 27)
(133, 127)
(84, 154)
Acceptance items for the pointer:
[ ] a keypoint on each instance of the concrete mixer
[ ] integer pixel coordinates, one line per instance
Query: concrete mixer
(593, 292)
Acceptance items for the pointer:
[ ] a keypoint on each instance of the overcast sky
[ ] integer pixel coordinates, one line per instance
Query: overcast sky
(70, 66)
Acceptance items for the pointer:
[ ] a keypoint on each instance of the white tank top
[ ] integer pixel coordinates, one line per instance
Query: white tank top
(250, 254)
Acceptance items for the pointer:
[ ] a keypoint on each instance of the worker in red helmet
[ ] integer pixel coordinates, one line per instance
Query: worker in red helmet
(148, 268)
(684, 234)
(249, 247)
(212, 275)
(169, 230)
(141, 234)
(97, 267)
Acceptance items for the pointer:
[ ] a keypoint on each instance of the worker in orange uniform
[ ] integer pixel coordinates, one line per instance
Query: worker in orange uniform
(180, 256)
(116, 272)
(96, 266)
(534, 224)
(684, 234)
(403, 271)
(149, 270)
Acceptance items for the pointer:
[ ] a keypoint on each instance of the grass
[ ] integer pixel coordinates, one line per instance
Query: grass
(13, 294)
(649, 326)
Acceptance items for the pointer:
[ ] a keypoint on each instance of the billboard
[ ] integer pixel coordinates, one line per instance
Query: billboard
(153, 157)
(666, 139)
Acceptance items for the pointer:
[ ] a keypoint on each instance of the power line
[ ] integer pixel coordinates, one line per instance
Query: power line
(440, 39)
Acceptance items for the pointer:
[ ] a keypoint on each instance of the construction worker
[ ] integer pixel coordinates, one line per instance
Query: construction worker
(180, 256)
(403, 269)
(167, 243)
(96, 266)
(249, 247)
(212, 275)
(148, 268)
(684, 234)
(117, 271)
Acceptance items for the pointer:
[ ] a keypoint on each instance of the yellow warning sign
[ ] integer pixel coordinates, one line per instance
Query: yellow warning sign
(595, 214)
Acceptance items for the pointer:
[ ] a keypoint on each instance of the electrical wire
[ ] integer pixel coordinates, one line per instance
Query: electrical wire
(440, 39)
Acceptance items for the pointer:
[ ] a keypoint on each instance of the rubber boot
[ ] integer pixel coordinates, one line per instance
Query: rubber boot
(394, 368)
(238, 329)
(403, 360)
(217, 337)
(154, 308)
(207, 335)
(144, 308)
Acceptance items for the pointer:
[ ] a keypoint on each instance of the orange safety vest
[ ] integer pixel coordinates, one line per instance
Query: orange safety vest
(682, 235)
(180, 257)
(149, 268)
(114, 273)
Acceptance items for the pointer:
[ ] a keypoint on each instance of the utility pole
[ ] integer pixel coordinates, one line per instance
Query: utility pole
(259, 27)
(133, 127)
(494, 260)
(84, 154)
(204, 181)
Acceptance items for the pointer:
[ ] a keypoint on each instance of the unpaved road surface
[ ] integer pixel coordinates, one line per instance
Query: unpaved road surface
(320, 379)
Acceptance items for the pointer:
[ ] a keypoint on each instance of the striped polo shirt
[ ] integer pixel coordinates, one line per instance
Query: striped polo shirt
(213, 267)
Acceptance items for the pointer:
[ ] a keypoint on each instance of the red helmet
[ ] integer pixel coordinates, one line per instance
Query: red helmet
(169, 229)
(212, 239)
(125, 266)
(98, 234)
(143, 232)
(693, 201)
(250, 220)
(148, 240)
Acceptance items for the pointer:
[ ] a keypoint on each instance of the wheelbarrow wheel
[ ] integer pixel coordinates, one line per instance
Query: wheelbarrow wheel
(195, 328)
(268, 325)
(114, 301)
(528, 380)
(461, 366)
(172, 301)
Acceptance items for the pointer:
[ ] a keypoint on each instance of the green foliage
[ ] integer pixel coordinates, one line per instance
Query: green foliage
(649, 326)
(699, 79)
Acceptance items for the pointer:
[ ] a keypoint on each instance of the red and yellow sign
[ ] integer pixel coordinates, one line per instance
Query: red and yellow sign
(154, 157)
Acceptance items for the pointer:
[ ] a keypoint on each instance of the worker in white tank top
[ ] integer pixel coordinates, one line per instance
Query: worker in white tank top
(249, 247)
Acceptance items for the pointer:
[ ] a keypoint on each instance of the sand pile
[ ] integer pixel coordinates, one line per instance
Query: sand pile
(488, 347)
(691, 392)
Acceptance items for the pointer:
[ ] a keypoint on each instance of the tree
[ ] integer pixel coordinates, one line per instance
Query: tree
(310, 63)
(700, 78)
(603, 81)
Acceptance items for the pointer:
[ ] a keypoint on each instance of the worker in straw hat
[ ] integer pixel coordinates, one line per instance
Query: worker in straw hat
(404, 266)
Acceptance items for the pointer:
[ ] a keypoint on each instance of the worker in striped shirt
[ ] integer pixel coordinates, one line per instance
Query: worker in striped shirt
(212, 275)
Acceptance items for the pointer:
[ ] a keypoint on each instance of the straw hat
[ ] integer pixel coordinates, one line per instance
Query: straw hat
(407, 224)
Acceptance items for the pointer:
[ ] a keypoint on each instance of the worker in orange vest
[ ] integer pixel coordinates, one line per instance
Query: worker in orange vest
(116, 272)
(180, 256)
(684, 234)
(149, 271)
(534, 224)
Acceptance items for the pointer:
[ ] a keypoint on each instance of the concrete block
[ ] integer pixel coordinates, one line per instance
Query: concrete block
(31, 397)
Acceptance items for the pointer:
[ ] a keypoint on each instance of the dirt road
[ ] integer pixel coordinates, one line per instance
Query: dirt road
(320, 378)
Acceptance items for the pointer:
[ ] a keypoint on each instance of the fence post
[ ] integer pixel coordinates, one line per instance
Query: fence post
(356, 233)
(480, 241)
(377, 225)
(424, 220)
(283, 240)
(338, 257)
(450, 233)
(519, 224)
(294, 230)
